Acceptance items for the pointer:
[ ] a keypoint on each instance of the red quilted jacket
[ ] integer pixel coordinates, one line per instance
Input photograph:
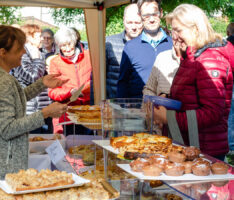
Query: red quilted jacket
(78, 74)
(204, 83)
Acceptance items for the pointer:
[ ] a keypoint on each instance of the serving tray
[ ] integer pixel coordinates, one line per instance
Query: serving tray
(185, 177)
(79, 181)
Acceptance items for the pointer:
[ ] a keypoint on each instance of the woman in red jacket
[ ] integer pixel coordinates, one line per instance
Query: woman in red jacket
(203, 82)
(72, 63)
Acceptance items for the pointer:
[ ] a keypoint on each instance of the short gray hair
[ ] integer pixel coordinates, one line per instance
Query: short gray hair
(65, 35)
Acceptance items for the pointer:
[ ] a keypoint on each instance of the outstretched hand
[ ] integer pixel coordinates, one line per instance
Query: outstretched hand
(51, 81)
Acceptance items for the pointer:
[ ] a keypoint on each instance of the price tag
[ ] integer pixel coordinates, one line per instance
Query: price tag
(56, 152)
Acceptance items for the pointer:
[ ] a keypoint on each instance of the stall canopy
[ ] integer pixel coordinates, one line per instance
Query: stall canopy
(95, 13)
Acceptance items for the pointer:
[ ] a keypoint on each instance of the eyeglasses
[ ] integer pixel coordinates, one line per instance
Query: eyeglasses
(147, 16)
(47, 38)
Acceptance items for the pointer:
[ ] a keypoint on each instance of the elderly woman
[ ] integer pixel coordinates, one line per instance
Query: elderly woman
(203, 82)
(14, 124)
(73, 63)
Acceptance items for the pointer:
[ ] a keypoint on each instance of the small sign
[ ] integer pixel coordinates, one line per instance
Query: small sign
(56, 152)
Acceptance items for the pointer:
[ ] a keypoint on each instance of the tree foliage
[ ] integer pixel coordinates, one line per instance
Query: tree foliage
(226, 7)
(8, 15)
(67, 15)
(114, 16)
(114, 20)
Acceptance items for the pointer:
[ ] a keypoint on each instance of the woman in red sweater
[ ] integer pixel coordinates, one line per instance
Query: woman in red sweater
(203, 82)
(72, 63)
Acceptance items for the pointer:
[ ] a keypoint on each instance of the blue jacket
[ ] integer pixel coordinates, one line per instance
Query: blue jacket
(114, 49)
(137, 61)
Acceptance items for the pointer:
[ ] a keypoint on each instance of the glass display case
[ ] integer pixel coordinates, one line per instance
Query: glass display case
(125, 117)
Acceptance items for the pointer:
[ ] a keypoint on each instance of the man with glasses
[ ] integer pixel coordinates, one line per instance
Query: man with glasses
(140, 53)
(115, 45)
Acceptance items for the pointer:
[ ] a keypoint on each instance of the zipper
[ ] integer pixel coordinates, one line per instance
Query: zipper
(77, 77)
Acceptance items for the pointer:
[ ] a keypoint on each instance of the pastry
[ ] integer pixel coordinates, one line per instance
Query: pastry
(152, 170)
(138, 164)
(191, 153)
(158, 160)
(188, 167)
(174, 169)
(141, 145)
(219, 168)
(201, 167)
(176, 157)
(32, 179)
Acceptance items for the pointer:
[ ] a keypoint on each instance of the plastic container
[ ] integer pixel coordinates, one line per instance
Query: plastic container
(123, 116)
(162, 101)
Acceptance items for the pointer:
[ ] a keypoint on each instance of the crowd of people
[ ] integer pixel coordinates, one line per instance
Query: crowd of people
(41, 70)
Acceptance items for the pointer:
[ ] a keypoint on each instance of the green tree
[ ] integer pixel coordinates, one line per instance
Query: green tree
(226, 7)
(8, 15)
(67, 15)
(114, 16)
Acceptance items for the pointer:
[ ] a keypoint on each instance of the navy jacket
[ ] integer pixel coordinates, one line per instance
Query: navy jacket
(114, 49)
(137, 61)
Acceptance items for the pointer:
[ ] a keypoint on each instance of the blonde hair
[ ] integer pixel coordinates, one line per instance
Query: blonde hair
(192, 16)
(30, 29)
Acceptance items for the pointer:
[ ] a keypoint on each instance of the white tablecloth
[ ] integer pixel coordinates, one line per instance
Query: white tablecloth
(39, 161)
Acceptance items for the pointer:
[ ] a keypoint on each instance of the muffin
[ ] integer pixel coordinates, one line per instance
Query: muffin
(176, 157)
(174, 169)
(201, 168)
(159, 161)
(152, 170)
(188, 167)
(191, 153)
(219, 168)
(138, 164)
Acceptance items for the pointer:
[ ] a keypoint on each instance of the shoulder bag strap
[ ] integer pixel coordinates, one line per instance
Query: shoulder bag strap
(192, 128)
(173, 126)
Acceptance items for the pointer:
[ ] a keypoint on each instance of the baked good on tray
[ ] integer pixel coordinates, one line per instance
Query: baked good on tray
(141, 145)
(86, 113)
(41, 138)
(32, 179)
(95, 190)
(201, 167)
(191, 152)
(152, 170)
(174, 169)
(219, 168)
(176, 157)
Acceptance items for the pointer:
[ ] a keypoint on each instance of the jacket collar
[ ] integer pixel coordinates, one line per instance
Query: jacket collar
(80, 57)
(193, 52)
(210, 45)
